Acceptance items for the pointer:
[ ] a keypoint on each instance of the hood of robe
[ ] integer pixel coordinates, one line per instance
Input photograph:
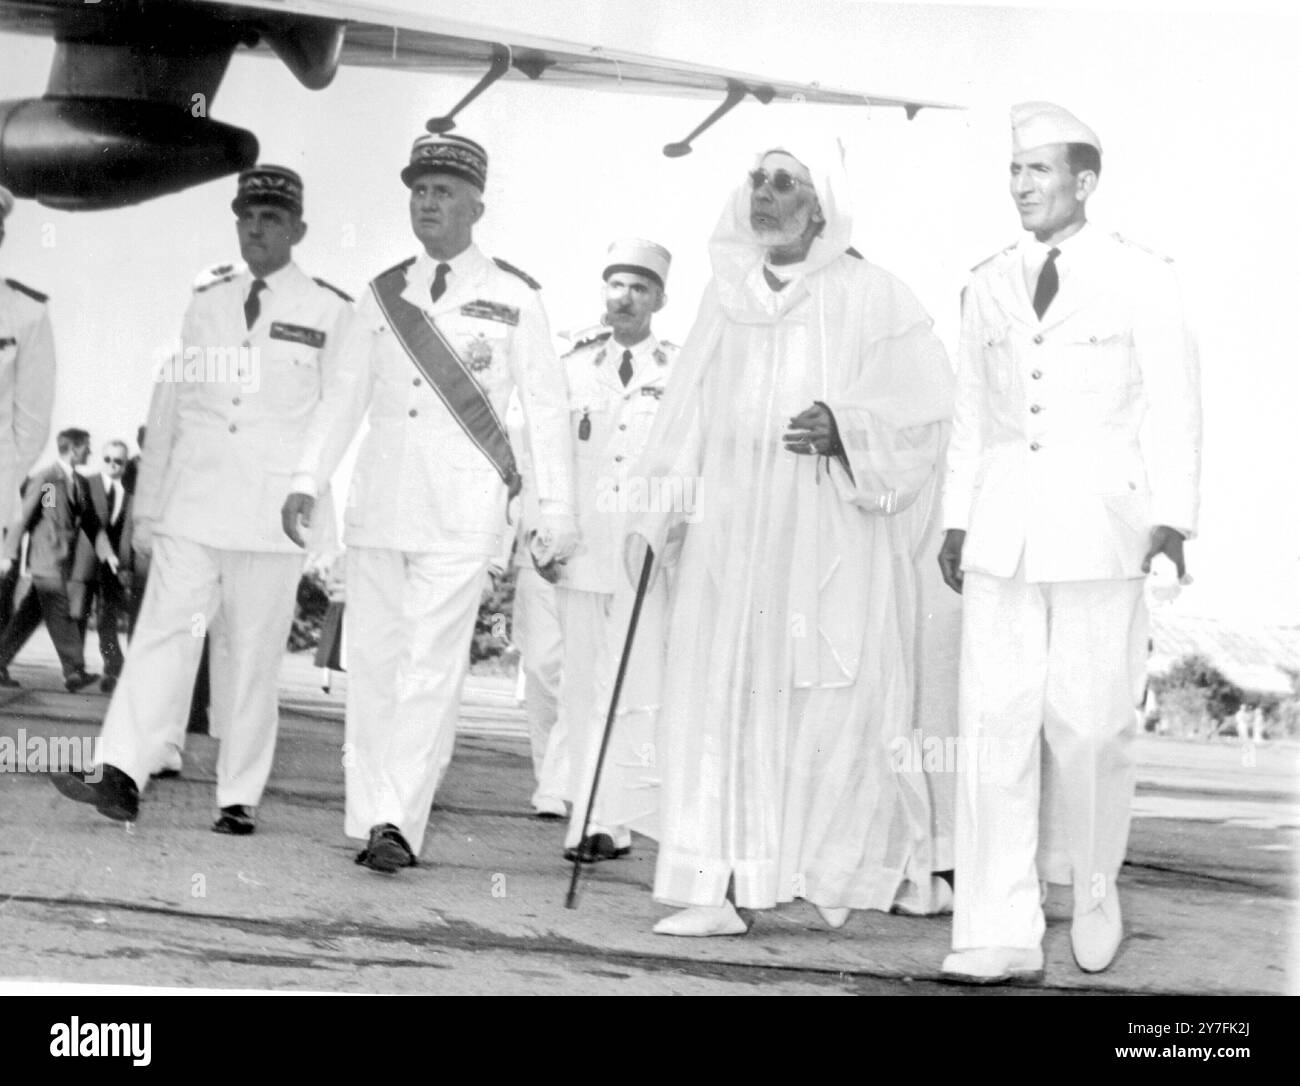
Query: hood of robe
(737, 253)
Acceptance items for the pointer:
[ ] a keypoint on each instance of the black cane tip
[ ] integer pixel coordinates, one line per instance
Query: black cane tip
(676, 150)
(439, 125)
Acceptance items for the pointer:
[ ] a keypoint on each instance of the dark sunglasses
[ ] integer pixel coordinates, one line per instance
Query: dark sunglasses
(782, 181)
(113, 460)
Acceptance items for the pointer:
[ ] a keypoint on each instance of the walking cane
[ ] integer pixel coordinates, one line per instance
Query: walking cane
(570, 900)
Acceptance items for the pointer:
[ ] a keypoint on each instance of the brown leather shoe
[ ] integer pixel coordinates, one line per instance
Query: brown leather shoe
(236, 820)
(113, 793)
(387, 850)
(596, 847)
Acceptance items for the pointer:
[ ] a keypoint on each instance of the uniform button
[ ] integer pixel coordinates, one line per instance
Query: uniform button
(235, 401)
(413, 412)
(616, 488)
(233, 427)
(1035, 408)
(1038, 339)
(618, 459)
(416, 382)
(1092, 339)
(622, 425)
(1034, 446)
(1036, 374)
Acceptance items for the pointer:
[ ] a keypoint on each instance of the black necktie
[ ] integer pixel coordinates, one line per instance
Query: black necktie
(625, 368)
(439, 287)
(252, 305)
(1048, 282)
(112, 503)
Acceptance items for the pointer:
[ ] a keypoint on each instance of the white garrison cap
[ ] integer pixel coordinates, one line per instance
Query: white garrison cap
(1034, 124)
(639, 256)
(6, 202)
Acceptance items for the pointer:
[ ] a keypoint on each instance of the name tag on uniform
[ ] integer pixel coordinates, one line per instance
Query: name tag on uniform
(652, 390)
(296, 333)
(7, 341)
(491, 311)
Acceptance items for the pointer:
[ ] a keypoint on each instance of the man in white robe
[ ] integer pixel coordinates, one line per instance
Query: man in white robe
(808, 413)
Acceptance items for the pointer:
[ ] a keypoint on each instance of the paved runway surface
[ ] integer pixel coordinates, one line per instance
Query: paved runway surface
(1209, 889)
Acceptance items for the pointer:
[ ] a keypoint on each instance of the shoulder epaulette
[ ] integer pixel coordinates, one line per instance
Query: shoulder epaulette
(506, 266)
(221, 273)
(332, 287)
(587, 341)
(1150, 252)
(401, 266)
(854, 253)
(31, 292)
(990, 259)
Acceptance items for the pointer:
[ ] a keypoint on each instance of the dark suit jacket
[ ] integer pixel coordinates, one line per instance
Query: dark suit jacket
(54, 510)
(119, 534)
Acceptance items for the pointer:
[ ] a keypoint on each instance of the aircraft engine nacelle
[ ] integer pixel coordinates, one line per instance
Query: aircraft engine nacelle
(76, 153)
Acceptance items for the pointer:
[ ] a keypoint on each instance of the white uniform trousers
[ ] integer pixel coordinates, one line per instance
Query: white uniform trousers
(541, 658)
(595, 629)
(1064, 661)
(409, 622)
(245, 600)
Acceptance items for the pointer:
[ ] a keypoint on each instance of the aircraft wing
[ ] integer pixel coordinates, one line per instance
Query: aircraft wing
(108, 131)
(408, 36)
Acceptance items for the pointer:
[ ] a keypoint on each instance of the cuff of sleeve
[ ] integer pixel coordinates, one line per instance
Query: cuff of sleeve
(303, 482)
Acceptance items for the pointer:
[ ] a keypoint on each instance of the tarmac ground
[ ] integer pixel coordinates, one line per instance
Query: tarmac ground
(1209, 888)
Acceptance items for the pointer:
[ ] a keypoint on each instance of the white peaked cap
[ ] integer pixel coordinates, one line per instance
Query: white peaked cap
(640, 256)
(1034, 124)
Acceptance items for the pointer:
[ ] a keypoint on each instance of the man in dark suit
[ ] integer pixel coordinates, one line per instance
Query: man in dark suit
(56, 508)
(94, 581)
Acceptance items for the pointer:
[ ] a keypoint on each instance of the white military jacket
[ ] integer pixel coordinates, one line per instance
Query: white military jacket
(609, 425)
(229, 413)
(1073, 435)
(420, 484)
(26, 387)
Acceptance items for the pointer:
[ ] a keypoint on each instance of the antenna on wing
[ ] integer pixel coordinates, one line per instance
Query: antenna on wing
(736, 90)
(501, 60)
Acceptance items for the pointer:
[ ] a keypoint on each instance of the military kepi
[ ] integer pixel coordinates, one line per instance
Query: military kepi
(456, 155)
(639, 256)
(1035, 124)
(277, 185)
(6, 202)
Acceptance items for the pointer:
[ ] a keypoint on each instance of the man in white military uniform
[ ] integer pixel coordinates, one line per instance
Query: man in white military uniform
(616, 380)
(535, 631)
(439, 342)
(226, 428)
(26, 397)
(1074, 462)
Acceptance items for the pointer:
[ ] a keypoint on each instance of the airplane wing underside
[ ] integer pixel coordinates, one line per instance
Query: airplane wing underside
(109, 132)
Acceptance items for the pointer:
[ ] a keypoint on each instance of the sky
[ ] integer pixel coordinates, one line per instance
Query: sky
(1193, 102)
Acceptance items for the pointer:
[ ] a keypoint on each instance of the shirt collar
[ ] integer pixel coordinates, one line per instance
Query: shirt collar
(463, 265)
(279, 280)
(67, 468)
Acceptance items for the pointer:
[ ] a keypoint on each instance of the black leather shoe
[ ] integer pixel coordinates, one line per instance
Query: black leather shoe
(73, 683)
(107, 684)
(236, 821)
(114, 794)
(5, 681)
(594, 848)
(387, 850)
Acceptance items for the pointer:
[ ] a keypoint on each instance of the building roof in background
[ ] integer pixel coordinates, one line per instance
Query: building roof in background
(1256, 658)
